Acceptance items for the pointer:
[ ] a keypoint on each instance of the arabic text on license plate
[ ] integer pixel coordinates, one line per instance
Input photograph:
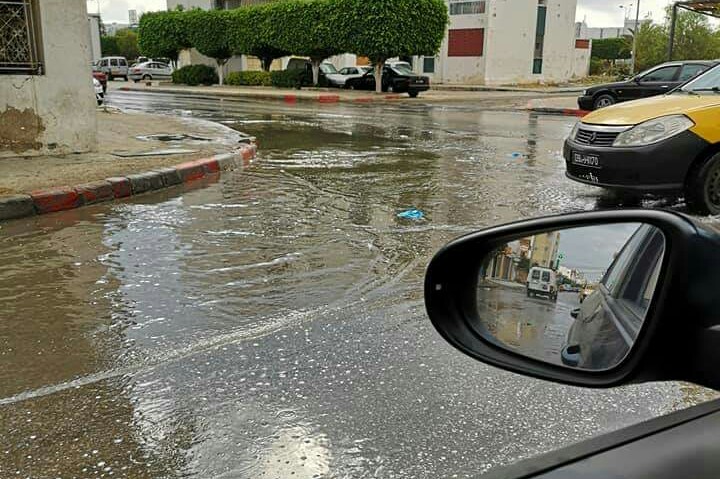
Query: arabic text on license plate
(590, 161)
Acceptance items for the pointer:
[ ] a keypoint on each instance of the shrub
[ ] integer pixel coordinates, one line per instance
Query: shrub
(287, 78)
(249, 78)
(195, 75)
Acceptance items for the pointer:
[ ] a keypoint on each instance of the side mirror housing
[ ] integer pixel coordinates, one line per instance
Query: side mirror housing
(479, 300)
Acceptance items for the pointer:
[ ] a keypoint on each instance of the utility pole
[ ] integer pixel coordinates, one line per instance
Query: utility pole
(673, 21)
(635, 35)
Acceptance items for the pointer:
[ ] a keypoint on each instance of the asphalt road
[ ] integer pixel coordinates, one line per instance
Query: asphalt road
(271, 324)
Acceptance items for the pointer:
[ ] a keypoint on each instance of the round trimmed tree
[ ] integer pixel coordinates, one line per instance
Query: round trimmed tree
(209, 33)
(253, 31)
(163, 34)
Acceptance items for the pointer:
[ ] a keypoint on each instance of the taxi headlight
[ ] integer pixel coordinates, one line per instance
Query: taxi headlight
(653, 131)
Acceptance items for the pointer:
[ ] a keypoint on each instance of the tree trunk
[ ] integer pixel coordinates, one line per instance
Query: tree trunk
(266, 63)
(221, 70)
(379, 67)
(316, 70)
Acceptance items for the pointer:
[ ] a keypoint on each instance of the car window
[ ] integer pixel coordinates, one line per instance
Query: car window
(113, 62)
(536, 275)
(690, 70)
(403, 70)
(639, 283)
(616, 273)
(122, 62)
(328, 68)
(546, 276)
(708, 80)
(662, 74)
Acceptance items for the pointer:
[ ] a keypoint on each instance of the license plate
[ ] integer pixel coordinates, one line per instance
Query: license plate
(419, 81)
(587, 160)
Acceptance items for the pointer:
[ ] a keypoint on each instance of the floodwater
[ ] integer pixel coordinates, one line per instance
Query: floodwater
(270, 323)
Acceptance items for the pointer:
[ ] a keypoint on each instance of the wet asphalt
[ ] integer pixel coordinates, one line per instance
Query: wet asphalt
(271, 323)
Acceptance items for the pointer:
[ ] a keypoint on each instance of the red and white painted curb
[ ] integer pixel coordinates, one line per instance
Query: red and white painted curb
(69, 197)
(559, 111)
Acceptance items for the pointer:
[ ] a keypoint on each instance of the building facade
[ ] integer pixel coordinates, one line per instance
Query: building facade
(47, 103)
(495, 42)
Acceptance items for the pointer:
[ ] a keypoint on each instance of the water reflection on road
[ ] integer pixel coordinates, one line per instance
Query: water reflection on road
(270, 323)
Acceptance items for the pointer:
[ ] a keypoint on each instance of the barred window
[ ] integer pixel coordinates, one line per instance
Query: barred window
(465, 7)
(19, 38)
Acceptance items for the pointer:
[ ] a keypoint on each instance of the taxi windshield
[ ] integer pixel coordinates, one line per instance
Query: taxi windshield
(707, 82)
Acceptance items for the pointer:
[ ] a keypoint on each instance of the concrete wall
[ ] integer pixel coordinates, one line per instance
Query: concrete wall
(53, 112)
(581, 63)
(510, 41)
(559, 55)
(461, 70)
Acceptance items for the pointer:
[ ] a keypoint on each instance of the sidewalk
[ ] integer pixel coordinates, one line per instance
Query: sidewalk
(30, 185)
(564, 105)
(511, 99)
(551, 90)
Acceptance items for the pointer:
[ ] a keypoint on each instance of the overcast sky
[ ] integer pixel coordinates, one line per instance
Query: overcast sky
(598, 13)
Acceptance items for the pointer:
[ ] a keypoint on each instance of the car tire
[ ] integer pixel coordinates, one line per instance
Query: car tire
(126, 78)
(146, 77)
(702, 189)
(603, 101)
(413, 94)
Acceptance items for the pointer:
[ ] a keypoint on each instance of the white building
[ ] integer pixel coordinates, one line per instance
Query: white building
(599, 33)
(47, 103)
(114, 27)
(495, 42)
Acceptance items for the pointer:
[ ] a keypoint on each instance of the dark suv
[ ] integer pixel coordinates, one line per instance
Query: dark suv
(655, 81)
(609, 320)
(395, 78)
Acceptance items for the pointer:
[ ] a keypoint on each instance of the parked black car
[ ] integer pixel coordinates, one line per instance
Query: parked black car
(395, 78)
(655, 81)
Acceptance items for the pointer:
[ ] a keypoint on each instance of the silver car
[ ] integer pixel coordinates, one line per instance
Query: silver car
(150, 71)
(353, 72)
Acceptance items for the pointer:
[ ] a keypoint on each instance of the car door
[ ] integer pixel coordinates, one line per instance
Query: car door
(164, 70)
(114, 66)
(659, 81)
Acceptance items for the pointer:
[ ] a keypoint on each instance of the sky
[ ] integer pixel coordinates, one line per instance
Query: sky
(597, 13)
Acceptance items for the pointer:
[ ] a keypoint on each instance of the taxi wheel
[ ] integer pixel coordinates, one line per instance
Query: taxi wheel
(702, 192)
(603, 100)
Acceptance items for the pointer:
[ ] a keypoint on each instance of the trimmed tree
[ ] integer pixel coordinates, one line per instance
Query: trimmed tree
(163, 34)
(310, 30)
(254, 32)
(209, 33)
(392, 28)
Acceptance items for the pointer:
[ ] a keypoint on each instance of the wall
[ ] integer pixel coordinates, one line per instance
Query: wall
(510, 41)
(581, 63)
(461, 70)
(559, 56)
(54, 112)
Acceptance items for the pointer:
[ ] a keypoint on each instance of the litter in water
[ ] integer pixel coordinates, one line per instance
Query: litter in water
(411, 214)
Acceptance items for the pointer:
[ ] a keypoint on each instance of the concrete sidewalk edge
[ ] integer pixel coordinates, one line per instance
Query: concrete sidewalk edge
(266, 95)
(62, 198)
(558, 111)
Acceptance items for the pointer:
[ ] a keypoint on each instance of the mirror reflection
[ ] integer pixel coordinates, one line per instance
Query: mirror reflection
(575, 297)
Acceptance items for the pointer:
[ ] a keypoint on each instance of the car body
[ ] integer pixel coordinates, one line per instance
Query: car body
(658, 80)
(617, 307)
(328, 74)
(352, 72)
(102, 78)
(99, 92)
(665, 145)
(150, 70)
(113, 67)
(396, 79)
(542, 282)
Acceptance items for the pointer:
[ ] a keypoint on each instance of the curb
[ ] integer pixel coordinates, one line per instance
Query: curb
(287, 98)
(559, 111)
(63, 198)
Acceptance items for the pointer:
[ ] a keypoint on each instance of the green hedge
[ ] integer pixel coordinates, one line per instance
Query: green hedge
(195, 75)
(249, 78)
(287, 78)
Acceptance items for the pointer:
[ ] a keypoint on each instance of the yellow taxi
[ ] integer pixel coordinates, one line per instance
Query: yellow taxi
(663, 145)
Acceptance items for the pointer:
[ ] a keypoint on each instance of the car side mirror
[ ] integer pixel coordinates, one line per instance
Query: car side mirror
(654, 274)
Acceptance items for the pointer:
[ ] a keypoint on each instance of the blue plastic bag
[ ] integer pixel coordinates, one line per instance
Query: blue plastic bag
(411, 214)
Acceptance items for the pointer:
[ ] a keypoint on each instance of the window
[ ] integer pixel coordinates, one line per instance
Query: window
(540, 28)
(19, 38)
(691, 70)
(546, 276)
(122, 62)
(466, 42)
(429, 65)
(662, 74)
(536, 275)
(113, 62)
(466, 7)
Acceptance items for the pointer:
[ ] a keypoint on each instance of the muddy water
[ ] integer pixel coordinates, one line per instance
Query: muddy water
(270, 323)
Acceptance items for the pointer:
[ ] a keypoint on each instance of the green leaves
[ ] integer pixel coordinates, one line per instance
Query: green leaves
(163, 34)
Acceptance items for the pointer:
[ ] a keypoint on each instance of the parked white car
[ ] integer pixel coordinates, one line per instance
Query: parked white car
(352, 72)
(99, 94)
(150, 71)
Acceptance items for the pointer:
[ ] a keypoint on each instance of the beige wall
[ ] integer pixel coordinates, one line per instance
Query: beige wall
(53, 112)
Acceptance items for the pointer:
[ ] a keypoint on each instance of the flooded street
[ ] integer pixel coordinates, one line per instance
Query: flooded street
(270, 323)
